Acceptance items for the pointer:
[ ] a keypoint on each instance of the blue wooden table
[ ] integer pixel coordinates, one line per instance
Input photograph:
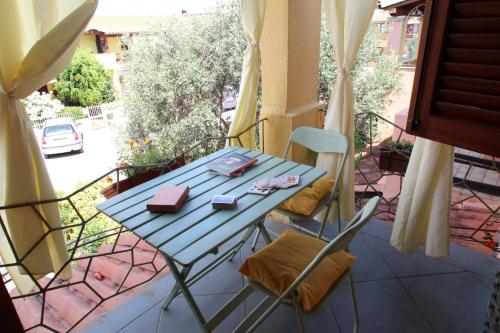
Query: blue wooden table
(197, 229)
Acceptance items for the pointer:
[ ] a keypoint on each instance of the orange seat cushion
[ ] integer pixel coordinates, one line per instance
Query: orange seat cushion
(306, 201)
(277, 265)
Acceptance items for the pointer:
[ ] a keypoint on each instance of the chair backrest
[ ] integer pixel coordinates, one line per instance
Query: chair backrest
(318, 140)
(340, 242)
(321, 141)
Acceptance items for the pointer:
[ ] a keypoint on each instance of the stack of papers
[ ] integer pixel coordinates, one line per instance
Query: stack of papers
(264, 186)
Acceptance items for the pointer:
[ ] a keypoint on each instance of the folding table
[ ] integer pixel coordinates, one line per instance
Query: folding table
(197, 229)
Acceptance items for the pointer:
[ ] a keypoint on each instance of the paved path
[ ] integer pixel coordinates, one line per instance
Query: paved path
(100, 155)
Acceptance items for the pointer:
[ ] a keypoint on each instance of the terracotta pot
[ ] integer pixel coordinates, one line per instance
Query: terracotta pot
(395, 161)
(128, 183)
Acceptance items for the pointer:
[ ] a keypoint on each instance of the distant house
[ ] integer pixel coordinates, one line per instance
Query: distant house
(400, 23)
(103, 37)
(103, 33)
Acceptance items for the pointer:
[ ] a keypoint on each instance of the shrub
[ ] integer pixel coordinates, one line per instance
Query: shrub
(96, 229)
(84, 82)
(75, 112)
(42, 106)
(175, 138)
(401, 145)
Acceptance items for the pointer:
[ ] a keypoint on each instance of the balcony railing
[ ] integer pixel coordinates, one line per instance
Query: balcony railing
(109, 263)
(475, 206)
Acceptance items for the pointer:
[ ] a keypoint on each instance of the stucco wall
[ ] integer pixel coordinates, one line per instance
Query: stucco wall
(290, 57)
(114, 45)
(87, 42)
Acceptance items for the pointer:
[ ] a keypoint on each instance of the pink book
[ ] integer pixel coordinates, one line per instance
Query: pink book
(168, 200)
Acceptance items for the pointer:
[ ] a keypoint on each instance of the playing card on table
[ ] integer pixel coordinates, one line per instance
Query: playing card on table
(285, 181)
(265, 183)
(257, 190)
(278, 182)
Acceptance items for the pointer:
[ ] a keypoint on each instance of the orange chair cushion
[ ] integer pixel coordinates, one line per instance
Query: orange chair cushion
(306, 201)
(277, 265)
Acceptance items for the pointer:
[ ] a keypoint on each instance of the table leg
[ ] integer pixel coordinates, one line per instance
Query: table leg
(263, 231)
(255, 240)
(175, 289)
(243, 240)
(187, 294)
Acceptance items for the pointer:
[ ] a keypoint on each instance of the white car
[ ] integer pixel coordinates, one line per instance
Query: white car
(61, 136)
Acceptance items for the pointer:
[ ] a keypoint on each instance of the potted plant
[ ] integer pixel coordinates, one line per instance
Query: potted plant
(394, 156)
(141, 161)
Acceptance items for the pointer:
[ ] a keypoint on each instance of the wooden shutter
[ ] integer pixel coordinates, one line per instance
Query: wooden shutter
(456, 93)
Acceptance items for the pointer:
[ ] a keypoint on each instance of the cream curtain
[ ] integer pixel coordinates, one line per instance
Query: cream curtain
(348, 21)
(252, 19)
(424, 203)
(38, 39)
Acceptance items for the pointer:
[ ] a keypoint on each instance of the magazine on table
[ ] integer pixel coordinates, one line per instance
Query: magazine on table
(231, 164)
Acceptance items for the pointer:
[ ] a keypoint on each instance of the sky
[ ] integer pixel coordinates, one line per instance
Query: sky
(153, 7)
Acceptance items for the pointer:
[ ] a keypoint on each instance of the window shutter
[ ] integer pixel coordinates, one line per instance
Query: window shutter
(456, 93)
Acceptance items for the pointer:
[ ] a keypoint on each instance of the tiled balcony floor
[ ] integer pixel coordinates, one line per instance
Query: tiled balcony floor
(395, 293)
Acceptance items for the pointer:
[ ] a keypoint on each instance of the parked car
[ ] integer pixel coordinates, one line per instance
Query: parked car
(230, 99)
(61, 136)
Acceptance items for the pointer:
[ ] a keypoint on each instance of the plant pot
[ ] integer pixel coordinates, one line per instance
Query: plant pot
(128, 183)
(394, 161)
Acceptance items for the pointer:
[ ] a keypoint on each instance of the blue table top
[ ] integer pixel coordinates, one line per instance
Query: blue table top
(197, 228)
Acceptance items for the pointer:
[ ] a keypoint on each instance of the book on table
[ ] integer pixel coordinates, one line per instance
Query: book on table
(169, 199)
(231, 164)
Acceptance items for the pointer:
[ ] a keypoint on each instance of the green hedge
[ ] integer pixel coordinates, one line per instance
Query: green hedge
(99, 228)
(75, 112)
(84, 82)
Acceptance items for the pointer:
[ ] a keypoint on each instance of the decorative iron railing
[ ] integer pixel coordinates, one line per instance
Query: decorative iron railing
(94, 241)
(107, 262)
(475, 207)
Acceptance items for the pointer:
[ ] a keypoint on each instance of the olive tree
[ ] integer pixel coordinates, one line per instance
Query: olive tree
(374, 75)
(176, 74)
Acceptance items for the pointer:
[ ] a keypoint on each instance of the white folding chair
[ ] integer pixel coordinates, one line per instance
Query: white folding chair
(290, 296)
(318, 141)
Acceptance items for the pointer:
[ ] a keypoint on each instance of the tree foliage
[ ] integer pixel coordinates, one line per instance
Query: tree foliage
(98, 229)
(374, 78)
(175, 77)
(374, 75)
(42, 106)
(84, 82)
(176, 74)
